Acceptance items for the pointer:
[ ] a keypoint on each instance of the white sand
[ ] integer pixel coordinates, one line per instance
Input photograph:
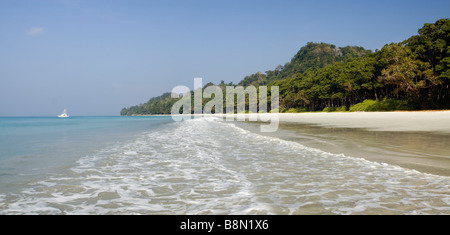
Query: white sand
(425, 156)
(432, 121)
(428, 121)
(430, 157)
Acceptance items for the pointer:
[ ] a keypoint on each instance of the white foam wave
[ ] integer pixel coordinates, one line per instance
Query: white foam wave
(202, 166)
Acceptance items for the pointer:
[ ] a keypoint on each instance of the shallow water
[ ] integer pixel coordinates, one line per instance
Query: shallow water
(202, 166)
(427, 152)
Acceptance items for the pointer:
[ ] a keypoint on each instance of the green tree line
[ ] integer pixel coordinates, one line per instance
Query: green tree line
(409, 75)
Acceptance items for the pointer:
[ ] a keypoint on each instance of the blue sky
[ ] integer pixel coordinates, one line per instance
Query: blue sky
(95, 57)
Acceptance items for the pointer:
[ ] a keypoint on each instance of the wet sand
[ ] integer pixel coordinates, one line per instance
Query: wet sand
(425, 152)
(414, 140)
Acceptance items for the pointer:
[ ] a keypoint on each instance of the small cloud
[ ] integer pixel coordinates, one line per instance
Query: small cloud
(35, 31)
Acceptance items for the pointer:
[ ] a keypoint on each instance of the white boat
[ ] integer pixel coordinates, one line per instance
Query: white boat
(64, 114)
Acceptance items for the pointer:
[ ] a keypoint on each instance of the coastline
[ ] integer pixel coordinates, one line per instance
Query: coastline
(411, 139)
(416, 121)
(404, 121)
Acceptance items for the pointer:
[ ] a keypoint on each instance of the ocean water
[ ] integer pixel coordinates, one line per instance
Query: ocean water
(152, 165)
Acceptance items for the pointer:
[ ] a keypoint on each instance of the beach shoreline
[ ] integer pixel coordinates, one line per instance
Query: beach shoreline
(406, 121)
(428, 121)
(421, 151)
(409, 121)
(412, 139)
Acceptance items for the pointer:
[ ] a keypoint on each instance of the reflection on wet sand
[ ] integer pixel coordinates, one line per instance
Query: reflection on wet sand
(427, 152)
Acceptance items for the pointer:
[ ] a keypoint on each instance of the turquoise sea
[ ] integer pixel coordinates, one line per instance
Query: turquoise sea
(36, 147)
(153, 165)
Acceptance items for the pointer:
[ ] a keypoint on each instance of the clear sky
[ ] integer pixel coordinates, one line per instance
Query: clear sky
(95, 57)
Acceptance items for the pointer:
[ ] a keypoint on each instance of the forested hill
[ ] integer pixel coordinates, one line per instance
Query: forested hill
(312, 56)
(413, 74)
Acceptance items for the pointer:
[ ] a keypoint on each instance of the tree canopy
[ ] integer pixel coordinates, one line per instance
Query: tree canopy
(413, 74)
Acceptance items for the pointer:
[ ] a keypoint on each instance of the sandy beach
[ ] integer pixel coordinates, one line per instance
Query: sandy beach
(427, 121)
(409, 121)
(415, 140)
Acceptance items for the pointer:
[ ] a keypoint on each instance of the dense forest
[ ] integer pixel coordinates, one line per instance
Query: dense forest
(409, 75)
